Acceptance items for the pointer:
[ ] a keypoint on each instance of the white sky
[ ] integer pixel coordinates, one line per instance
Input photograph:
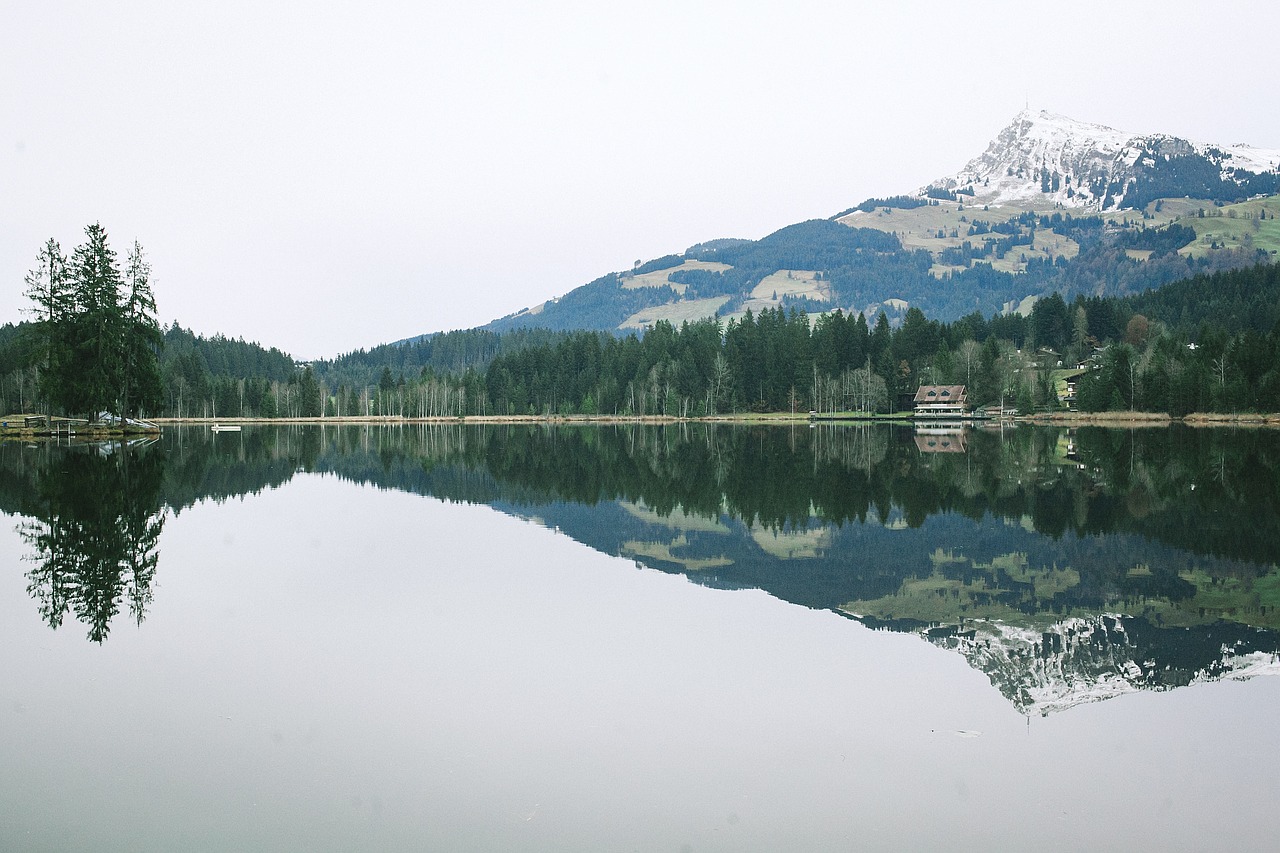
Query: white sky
(323, 177)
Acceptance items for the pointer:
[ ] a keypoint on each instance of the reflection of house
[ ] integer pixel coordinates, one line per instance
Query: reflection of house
(940, 440)
(940, 401)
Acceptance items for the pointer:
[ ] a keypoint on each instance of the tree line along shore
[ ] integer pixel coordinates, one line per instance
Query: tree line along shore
(1208, 345)
(11, 427)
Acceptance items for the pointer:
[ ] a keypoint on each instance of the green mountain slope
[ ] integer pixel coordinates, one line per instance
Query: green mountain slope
(944, 258)
(1053, 204)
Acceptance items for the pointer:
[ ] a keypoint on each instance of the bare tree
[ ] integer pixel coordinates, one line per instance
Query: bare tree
(970, 354)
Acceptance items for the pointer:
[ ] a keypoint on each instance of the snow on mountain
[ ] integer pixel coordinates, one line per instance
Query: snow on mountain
(1260, 160)
(1081, 660)
(1043, 159)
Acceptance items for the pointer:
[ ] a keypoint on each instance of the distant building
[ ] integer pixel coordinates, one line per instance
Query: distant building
(1046, 358)
(1067, 384)
(938, 401)
(1068, 395)
(997, 412)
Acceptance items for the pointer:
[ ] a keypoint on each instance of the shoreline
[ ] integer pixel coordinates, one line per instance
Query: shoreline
(1116, 420)
(1113, 419)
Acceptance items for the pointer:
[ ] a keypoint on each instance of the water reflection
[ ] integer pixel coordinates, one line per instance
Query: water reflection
(1069, 566)
(93, 527)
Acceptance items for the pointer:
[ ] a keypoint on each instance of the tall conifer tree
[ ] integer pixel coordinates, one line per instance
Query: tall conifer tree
(141, 387)
(94, 380)
(97, 331)
(49, 288)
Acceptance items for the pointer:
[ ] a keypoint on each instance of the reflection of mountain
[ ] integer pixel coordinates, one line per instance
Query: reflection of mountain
(1048, 635)
(1149, 555)
(810, 543)
(1081, 659)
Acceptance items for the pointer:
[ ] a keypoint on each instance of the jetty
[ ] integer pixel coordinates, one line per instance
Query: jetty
(35, 425)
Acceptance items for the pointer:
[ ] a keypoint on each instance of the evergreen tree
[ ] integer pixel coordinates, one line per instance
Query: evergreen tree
(309, 402)
(92, 382)
(141, 388)
(96, 332)
(49, 288)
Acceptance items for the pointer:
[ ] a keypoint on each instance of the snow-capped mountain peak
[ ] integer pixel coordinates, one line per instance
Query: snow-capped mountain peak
(1042, 159)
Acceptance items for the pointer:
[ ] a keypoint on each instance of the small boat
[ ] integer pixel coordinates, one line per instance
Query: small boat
(225, 427)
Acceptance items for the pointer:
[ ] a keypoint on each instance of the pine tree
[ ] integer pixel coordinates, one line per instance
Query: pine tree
(141, 386)
(49, 288)
(92, 383)
(310, 405)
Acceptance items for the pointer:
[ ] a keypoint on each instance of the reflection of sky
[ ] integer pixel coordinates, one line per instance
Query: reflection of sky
(331, 667)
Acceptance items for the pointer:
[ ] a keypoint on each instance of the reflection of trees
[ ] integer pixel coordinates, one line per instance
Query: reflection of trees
(1184, 502)
(1116, 481)
(859, 447)
(94, 531)
(1209, 491)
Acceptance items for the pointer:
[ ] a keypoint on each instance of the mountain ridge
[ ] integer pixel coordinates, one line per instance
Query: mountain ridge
(1045, 156)
(1052, 204)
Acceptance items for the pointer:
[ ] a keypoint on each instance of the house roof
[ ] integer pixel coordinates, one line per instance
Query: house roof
(940, 394)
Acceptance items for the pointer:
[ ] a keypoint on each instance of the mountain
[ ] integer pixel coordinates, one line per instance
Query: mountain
(1053, 204)
(1042, 157)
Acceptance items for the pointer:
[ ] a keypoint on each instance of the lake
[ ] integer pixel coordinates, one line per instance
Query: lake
(637, 638)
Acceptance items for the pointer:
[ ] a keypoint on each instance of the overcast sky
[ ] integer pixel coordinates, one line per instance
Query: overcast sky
(325, 177)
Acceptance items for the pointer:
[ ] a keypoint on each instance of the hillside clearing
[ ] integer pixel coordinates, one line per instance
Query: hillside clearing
(675, 313)
(662, 278)
(1236, 226)
(795, 283)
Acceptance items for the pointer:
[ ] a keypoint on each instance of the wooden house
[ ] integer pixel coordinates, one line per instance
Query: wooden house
(940, 401)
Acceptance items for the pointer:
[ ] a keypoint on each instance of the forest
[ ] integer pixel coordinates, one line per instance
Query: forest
(1207, 344)
(1210, 343)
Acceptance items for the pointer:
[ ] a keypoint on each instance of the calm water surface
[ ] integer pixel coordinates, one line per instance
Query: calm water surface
(455, 638)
